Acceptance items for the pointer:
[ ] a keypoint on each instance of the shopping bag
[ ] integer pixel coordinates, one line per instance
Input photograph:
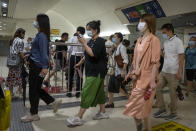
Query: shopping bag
(5, 110)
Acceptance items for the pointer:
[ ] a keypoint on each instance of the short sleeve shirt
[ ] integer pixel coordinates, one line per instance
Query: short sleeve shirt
(59, 49)
(76, 50)
(190, 54)
(121, 49)
(98, 63)
(172, 48)
(17, 46)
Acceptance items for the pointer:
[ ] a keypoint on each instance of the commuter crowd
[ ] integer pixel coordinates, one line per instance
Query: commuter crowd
(108, 65)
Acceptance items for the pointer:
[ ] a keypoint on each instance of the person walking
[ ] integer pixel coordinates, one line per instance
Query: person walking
(144, 74)
(95, 69)
(38, 68)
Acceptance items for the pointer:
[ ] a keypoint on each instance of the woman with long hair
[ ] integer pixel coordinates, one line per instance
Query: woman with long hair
(95, 70)
(145, 73)
(38, 68)
(16, 49)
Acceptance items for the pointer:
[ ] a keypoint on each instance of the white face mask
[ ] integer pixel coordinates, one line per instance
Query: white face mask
(141, 26)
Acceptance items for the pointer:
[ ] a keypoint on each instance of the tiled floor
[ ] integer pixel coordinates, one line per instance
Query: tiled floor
(117, 121)
(18, 110)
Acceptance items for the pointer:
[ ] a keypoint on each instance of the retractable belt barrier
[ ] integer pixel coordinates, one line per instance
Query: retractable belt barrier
(64, 69)
(64, 65)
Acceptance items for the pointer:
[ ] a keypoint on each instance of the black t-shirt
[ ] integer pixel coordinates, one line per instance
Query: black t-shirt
(60, 48)
(98, 64)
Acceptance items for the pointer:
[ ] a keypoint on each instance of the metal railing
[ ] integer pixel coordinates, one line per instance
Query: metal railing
(64, 67)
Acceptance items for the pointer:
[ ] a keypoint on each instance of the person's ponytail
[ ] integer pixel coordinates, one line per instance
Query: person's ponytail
(95, 25)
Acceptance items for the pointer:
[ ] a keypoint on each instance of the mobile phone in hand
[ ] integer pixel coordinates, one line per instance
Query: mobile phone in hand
(78, 35)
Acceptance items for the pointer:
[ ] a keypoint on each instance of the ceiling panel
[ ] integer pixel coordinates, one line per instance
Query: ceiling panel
(30, 8)
(82, 10)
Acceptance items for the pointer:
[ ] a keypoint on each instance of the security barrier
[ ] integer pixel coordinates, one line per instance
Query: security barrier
(64, 69)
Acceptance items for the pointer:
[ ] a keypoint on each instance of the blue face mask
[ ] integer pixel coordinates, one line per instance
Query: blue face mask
(35, 24)
(114, 40)
(165, 36)
(191, 43)
(89, 33)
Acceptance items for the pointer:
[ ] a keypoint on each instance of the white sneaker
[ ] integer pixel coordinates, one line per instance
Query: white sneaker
(100, 116)
(56, 105)
(75, 121)
(30, 118)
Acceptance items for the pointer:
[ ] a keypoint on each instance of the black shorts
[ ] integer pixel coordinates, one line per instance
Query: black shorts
(191, 74)
(115, 83)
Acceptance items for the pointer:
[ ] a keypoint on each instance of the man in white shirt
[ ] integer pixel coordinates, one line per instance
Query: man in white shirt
(75, 54)
(115, 81)
(171, 71)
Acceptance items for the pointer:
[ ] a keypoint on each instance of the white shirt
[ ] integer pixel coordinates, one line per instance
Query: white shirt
(26, 45)
(121, 49)
(172, 48)
(108, 43)
(76, 50)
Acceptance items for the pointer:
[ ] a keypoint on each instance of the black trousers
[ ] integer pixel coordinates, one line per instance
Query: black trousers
(73, 61)
(35, 90)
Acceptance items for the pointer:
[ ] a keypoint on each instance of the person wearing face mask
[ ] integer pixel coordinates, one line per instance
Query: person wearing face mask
(115, 82)
(61, 51)
(95, 69)
(109, 45)
(14, 78)
(75, 54)
(144, 73)
(190, 64)
(38, 68)
(171, 72)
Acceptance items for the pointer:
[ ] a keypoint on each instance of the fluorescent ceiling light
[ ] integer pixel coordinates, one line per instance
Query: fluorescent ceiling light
(0, 26)
(0, 29)
(4, 5)
(4, 14)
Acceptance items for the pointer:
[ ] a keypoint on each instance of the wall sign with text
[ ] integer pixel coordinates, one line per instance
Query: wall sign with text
(153, 7)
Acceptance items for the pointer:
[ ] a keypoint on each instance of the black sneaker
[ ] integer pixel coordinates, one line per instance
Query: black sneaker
(171, 117)
(160, 113)
(69, 95)
(109, 105)
(77, 95)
